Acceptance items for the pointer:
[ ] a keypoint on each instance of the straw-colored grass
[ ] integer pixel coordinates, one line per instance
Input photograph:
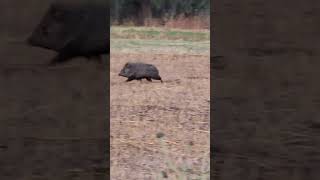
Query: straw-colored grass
(178, 109)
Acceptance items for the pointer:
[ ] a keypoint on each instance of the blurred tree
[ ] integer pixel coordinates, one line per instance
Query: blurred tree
(139, 10)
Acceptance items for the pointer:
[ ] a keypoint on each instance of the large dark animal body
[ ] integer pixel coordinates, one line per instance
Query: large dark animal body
(139, 71)
(75, 29)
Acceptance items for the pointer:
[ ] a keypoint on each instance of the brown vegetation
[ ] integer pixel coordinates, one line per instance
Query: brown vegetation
(160, 129)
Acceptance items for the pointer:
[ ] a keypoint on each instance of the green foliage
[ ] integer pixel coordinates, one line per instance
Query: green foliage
(122, 9)
(159, 34)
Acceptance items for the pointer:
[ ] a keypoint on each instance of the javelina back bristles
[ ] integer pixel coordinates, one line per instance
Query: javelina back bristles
(139, 71)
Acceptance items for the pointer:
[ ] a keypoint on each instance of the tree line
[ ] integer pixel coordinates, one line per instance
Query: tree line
(138, 11)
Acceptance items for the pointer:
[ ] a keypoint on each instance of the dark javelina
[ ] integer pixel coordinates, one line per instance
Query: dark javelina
(74, 29)
(139, 71)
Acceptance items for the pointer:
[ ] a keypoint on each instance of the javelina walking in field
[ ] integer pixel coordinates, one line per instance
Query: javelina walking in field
(74, 29)
(139, 71)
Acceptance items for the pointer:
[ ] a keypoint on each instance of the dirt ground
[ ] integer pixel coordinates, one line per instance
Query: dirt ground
(177, 109)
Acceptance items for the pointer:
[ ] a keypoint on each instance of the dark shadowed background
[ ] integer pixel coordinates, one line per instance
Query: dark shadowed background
(53, 121)
(265, 112)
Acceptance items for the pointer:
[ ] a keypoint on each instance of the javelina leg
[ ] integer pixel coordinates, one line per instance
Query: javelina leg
(60, 58)
(96, 58)
(159, 78)
(149, 79)
(130, 79)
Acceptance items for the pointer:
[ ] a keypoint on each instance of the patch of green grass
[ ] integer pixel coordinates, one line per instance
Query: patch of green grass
(142, 33)
(160, 46)
(118, 32)
(188, 36)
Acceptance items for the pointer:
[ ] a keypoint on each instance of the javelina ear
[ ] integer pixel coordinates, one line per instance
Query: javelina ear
(129, 65)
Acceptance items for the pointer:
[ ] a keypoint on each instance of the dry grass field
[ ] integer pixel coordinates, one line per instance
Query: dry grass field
(160, 130)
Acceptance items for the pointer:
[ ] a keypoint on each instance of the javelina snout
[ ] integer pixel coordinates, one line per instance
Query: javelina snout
(74, 29)
(139, 71)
